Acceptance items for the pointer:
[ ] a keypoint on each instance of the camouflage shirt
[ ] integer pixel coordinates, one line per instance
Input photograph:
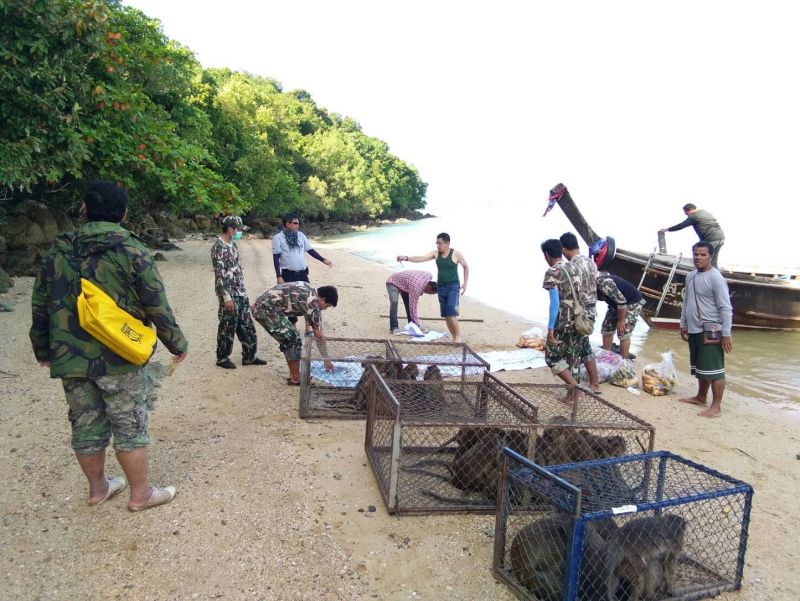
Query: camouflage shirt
(291, 298)
(119, 263)
(587, 273)
(607, 291)
(557, 276)
(228, 274)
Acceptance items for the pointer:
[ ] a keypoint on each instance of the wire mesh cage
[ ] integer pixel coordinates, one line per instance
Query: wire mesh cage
(435, 445)
(588, 428)
(644, 527)
(452, 359)
(341, 394)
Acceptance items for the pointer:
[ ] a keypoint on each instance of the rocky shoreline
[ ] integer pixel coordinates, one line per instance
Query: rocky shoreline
(28, 230)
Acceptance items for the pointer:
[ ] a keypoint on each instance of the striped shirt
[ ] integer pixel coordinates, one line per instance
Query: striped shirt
(413, 283)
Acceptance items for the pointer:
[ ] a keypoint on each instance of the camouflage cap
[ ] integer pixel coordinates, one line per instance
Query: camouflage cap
(234, 221)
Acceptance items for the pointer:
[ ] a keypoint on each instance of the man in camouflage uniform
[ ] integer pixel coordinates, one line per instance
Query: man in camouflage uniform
(586, 272)
(625, 303)
(277, 304)
(106, 394)
(564, 348)
(234, 306)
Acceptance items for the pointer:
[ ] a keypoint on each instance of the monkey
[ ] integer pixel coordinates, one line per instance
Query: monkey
(356, 403)
(434, 392)
(538, 557)
(475, 466)
(405, 393)
(642, 558)
(559, 445)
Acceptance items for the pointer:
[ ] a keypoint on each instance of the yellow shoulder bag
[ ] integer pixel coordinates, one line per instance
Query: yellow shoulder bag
(122, 333)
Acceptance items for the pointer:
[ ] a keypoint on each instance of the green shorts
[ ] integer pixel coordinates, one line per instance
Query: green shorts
(100, 407)
(706, 360)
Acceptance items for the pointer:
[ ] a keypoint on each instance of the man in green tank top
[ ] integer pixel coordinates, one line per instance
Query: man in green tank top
(449, 288)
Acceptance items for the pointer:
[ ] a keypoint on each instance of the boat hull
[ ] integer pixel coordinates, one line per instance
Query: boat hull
(759, 300)
(756, 304)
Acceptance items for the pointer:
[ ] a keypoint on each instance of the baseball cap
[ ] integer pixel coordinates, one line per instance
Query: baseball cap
(234, 221)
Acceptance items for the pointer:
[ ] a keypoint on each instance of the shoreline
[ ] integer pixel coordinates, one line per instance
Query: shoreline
(273, 507)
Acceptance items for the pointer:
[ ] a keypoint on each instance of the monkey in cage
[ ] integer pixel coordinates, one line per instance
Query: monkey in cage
(475, 465)
(356, 403)
(538, 557)
(559, 444)
(642, 558)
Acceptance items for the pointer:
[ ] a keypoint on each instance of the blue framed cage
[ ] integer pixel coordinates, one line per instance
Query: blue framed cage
(636, 528)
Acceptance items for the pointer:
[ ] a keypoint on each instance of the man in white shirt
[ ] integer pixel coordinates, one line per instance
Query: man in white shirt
(289, 248)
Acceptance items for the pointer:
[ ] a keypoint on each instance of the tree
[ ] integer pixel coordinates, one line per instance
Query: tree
(48, 54)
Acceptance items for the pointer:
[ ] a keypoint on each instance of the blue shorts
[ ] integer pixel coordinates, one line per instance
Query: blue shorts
(448, 299)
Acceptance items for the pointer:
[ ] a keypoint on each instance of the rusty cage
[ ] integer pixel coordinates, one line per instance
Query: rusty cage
(436, 445)
(649, 527)
(343, 393)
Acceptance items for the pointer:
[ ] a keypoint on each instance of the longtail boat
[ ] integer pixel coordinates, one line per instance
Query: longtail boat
(760, 300)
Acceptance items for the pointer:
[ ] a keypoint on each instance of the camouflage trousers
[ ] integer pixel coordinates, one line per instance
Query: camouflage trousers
(569, 352)
(609, 326)
(100, 407)
(277, 325)
(240, 323)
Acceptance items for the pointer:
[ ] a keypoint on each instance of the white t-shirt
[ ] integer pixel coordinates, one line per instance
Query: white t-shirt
(293, 259)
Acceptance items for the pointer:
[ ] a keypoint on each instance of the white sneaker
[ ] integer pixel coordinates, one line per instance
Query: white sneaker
(396, 331)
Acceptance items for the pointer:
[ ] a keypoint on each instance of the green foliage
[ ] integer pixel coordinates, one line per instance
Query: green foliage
(95, 89)
(47, 53)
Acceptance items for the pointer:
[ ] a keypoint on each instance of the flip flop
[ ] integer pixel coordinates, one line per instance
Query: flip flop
(115, 485)
(158, 496)
(290, 383)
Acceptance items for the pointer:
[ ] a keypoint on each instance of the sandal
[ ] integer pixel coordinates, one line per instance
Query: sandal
(158, 496)
(291, 383)
(115, 485)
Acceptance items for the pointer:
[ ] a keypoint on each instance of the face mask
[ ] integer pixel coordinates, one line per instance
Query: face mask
(237, 235)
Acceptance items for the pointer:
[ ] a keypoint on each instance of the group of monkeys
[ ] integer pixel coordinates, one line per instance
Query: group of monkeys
(635, 562)
(430, 396)
(475, 465)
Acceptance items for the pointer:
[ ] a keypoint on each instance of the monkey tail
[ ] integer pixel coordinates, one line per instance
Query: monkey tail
(456, 500)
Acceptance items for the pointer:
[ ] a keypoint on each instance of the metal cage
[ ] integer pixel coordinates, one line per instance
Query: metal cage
(436, 445)
(343, 393)
(645, 527)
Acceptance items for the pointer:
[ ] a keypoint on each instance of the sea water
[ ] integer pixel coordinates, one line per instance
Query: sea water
(507, 270)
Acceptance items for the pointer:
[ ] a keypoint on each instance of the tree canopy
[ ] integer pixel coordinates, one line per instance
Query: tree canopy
(95, 89)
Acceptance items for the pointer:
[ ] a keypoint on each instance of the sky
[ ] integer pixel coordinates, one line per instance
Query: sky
(635, 106)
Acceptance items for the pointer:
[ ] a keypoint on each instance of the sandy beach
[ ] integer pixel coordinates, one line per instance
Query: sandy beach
(270, 506)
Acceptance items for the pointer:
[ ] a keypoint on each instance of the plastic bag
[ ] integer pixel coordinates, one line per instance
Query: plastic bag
(659, 378)
(533, 338)
(607, 363)
(625, 375)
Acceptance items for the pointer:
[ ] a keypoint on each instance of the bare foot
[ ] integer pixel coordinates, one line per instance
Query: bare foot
(569, 398)
(457, 339)
(710, 413)
(694, 401)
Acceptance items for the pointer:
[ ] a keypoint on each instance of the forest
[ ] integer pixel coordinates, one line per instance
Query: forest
(94, 89)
